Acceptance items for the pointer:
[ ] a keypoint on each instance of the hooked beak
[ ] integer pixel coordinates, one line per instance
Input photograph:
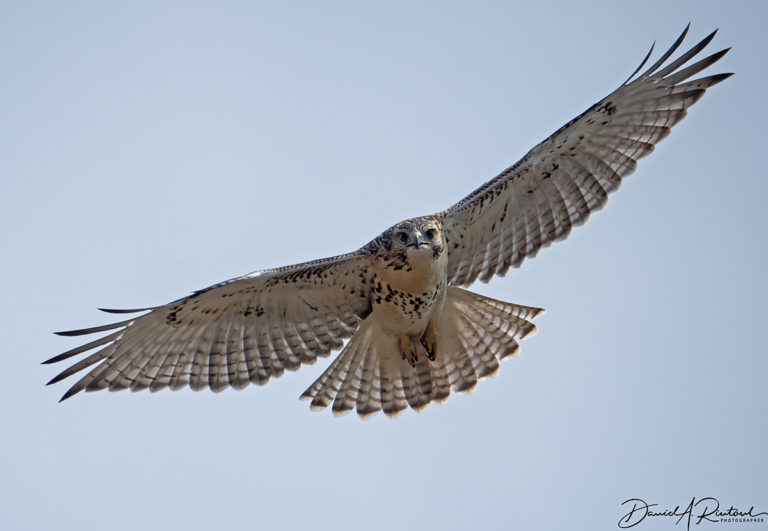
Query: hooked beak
(417, 239)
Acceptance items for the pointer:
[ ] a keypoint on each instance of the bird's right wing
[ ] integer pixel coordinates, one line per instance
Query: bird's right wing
(561, 181)
(240, 331)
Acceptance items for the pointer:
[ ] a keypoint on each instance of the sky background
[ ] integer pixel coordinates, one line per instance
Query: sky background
(149, 149)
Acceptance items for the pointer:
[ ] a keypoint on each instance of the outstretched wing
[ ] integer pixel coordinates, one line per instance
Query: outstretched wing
(561, 181)
(240, 331)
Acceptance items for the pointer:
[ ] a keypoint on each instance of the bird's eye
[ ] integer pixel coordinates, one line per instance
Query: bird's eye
(402, 236)
(431, 234)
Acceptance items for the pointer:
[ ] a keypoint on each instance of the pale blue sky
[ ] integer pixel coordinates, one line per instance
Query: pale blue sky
(149, 149)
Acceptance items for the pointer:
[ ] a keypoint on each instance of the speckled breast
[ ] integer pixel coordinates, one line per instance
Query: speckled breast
(404, 299)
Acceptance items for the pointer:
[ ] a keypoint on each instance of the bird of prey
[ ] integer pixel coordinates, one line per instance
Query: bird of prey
(415, 334)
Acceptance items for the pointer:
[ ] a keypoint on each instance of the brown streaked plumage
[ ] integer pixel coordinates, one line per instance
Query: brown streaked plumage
(414, 333)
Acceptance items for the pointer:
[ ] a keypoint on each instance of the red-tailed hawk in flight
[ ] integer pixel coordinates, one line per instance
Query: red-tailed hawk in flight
(415, 333)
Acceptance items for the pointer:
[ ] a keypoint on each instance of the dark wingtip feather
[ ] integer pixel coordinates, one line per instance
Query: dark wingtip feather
(59, 377)
(717, 78)
(72, 391)
(718, 55)
(69, 333)
(668, 53)
(112, 310)
(642, 63)
(95, 329)
(684, 58)
(66, 355)
(706, 40)
(715, 57)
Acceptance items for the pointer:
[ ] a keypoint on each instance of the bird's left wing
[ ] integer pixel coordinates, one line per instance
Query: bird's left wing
(568, 176)
(240, 331)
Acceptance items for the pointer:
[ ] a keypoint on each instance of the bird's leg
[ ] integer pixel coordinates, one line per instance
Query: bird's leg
(429, 340)
(408, 350)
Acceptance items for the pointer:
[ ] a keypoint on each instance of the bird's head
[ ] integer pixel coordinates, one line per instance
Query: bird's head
(418, 235)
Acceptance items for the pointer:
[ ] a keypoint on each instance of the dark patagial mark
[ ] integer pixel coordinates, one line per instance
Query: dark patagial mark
(251, 310)
(608, 107)
(172, 319)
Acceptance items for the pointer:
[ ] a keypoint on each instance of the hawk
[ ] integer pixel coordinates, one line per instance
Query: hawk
(415, 334)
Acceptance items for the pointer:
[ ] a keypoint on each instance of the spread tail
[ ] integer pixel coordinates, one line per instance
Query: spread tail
(473, 333)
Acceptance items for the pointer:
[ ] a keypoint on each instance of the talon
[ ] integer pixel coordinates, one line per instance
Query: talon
(429, 340)
(408, 350)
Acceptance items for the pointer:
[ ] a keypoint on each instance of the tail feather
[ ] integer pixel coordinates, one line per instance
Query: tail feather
(485, 347)
(417, 382)
(454, 347)
(461, 372)
(474, 333)
(326, 388)
(350, 387)
(496, 338)
(441, 384)
(393, 387)
(369, 396)
(393, 399)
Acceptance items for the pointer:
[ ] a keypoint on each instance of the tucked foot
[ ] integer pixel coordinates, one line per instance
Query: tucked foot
(408, 350)
(429, 340)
